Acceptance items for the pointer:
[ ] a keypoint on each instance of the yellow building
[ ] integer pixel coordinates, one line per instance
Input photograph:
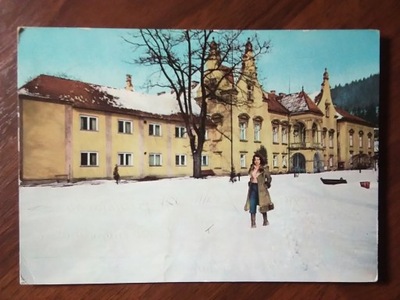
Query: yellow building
(76, 130)
(300, 134)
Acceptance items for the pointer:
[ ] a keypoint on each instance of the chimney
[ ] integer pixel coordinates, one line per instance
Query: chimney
(129, 85)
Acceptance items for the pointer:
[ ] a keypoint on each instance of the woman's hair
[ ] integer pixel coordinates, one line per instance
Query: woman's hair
(262, 161)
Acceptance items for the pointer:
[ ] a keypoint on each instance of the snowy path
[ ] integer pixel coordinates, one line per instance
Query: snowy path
(179, 230)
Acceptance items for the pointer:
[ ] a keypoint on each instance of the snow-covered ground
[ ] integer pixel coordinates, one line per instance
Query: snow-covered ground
(185, 230)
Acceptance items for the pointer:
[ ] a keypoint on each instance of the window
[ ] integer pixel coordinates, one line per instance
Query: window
(331, 138)
(180, 160)
(89, 159)
(275, 160)
(327, 110)
(257, 129)
(314, 133)
(243, 160)
(284, 160)
(88, 123)
(243, 122)
(369, 143)
(242, 127)
(360, 138)
(124, 126)
(250, 90)
(284, 135)
(125, 159)
(206, 135)
(331, 161)
(275, 134)
(155, 159)
(180, 131)
(155, 129)
(204, 160)
(351, 140)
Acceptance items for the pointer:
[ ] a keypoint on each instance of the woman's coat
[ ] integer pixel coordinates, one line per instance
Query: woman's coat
(263, 179)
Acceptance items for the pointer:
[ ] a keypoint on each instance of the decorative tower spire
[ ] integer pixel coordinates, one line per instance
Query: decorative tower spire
(214, 51)
(325, 79)
(214, 58)
(129, 85)
(248, 63)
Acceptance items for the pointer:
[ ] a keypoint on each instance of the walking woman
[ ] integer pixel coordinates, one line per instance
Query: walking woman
(260, 181)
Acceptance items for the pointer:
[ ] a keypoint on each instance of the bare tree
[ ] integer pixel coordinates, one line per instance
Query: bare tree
(181, 56)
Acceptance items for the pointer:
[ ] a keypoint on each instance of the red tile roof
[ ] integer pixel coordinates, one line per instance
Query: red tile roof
(81, 95)
(344, 116)
(274, 105)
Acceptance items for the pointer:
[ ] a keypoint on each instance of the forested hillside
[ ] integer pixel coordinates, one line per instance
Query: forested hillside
(360, 98)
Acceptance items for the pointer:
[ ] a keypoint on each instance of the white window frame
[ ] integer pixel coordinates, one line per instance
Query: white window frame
(243, 160)
(257, 132)
(180, 132)
(155, 159)
(275, 137)
(284, 135)
(351, 140)
(369, 143)
(180, 160)
(89, 123)
(88, 159)
(331, 139)
(154, 129)
(125, 129)
(360, 141)
(205, 160)
(284, 160)
(125, 159)
(243, 130)
(275, 160)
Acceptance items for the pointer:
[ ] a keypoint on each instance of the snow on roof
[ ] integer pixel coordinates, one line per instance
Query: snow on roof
(163, 104)
(294, 103)
(159, 104)
(101, 97)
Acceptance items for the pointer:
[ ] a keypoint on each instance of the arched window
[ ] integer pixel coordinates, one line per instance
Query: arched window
(275, 131)
(351, 138)
(331, 137)
(360, 138)
(243, 124)
(285, 131)
(257, 128)
(314, 133)
(299, 133)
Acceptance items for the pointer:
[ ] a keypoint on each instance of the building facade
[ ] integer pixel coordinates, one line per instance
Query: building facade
(78, 130)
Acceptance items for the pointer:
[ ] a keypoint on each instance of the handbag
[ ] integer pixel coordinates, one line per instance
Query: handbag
(271, 206)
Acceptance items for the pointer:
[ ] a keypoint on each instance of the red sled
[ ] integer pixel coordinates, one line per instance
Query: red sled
(364, 184)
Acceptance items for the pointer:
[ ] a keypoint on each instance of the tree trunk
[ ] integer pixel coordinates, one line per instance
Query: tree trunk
(197, 164)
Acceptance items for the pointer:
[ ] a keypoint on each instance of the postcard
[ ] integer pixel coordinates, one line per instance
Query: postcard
(158, 155)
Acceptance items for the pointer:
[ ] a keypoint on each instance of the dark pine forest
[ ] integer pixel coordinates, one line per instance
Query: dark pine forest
(360, 98)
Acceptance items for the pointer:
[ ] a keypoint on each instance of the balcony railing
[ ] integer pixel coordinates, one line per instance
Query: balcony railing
(304, 145)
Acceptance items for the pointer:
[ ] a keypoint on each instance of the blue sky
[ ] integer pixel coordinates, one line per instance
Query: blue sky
(297, 58)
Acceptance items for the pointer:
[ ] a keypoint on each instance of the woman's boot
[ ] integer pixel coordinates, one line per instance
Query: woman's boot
(265, 222)
(253, 220)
